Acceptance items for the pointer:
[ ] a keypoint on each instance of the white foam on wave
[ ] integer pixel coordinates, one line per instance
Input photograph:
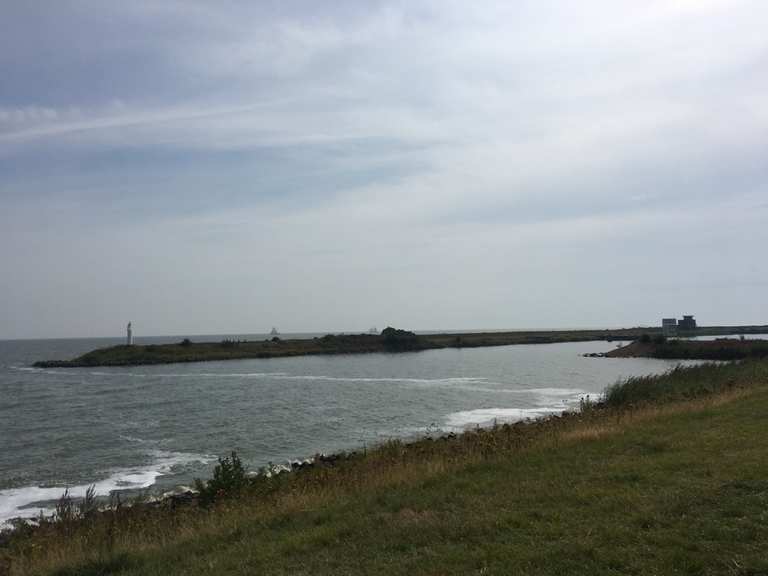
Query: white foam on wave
(47, 371)
(488, 416)
(187, 374)
(129, 438)
(29, 501)
(296, 377)
(555, 391)
(456, 381)
(546, 401)
(426, 381)
(301, 377)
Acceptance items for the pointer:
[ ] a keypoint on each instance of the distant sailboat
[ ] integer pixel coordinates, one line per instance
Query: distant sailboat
(274, 332)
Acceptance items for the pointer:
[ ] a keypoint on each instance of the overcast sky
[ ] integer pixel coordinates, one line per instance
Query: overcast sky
(226, 167)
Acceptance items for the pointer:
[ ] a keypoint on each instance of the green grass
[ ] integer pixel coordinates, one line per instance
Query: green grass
(684, 383)
(672, 479)
(214, 351)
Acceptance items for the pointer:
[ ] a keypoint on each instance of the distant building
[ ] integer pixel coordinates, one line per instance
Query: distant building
(669, 326)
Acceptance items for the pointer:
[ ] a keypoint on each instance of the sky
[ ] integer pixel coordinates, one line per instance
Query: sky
(226, 167)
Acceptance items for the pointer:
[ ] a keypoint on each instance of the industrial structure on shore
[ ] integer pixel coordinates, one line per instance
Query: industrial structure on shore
(673, 326)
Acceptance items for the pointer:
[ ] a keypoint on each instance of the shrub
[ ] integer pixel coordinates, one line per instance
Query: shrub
(186, 342)
(396, 340)
(88, 505)
(645, 338)
(68, 511)
(65, 511)
(229, 478)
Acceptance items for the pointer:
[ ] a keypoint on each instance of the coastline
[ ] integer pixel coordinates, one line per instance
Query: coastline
(720, 349)
(644, 448)
(460, 388)
(394, 341)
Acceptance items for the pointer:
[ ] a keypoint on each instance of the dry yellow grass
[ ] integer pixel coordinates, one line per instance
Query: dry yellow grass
(588, 430)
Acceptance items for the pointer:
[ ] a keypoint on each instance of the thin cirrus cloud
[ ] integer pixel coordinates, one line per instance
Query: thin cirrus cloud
(426, 164)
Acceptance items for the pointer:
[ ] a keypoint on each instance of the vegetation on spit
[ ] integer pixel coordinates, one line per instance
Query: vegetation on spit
(669, 475)
(390, 340)
(679, 349)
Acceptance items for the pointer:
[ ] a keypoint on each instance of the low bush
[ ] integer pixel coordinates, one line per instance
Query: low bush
(229, 478)
(396, 340)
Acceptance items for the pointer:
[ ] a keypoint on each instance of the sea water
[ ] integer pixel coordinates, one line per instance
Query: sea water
(156, 428)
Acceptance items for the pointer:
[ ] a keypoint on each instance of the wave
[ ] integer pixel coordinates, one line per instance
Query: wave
(555, 391)
(30, 501)
(487, 416)
(129, 438)
(462, 380)
(562, 397)
(44, 371)
(547, 401)
(295, 377)
(273, 375)
(467, 383)
(187, 374)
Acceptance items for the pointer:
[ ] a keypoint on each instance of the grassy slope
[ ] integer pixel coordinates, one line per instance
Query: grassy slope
(672, 488)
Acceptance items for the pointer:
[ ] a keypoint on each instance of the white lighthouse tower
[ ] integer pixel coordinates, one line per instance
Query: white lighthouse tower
(129, 335)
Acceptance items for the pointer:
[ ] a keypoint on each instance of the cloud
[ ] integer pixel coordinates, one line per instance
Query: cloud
(346, 148)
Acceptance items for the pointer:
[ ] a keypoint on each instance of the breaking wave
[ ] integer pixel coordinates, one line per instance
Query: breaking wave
(547, 400)
(488, 416)
(29, 501)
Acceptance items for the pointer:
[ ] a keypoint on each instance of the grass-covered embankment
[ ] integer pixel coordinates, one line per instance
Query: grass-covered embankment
(669, 476)
(721, 349)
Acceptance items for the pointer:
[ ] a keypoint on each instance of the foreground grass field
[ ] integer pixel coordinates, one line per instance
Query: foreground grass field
(669, 477)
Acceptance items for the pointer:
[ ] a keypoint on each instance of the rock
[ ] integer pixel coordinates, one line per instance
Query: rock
(182, 499)
(276, 469)
(328, 460)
